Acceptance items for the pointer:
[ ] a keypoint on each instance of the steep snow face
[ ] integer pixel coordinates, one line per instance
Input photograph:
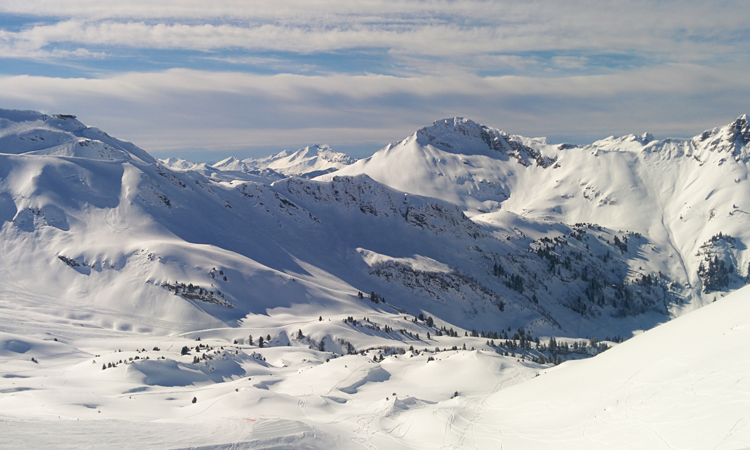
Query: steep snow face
(362, 193)
(307, 162)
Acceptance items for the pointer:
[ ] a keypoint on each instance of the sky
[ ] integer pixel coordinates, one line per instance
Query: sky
(204, 80)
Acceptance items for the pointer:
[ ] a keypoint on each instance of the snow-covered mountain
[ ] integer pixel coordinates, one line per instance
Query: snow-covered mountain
(687, 196)
(307, 162)
(460, 236)
(632, 240)
(33, 133)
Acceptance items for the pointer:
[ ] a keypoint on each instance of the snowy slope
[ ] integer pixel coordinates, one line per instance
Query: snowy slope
(681, 385)
(684, 384)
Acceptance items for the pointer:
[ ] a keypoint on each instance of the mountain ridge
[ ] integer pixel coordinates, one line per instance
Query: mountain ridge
(679, 254)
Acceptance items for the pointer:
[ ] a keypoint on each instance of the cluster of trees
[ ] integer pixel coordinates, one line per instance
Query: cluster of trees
(195, 292)
(429, 321)
(515, 282)
(622, 245)
(261, 340)
(447, 332)
(212, 272)
(377, 298)
(721, 237)
(717, 275)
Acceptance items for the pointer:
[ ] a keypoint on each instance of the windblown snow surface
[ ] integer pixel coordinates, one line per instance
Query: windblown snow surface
(455, 290)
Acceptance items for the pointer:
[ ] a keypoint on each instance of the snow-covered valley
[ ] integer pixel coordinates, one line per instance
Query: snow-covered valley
(447, 292)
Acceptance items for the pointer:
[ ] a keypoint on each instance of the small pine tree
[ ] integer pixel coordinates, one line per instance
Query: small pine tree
(260, 342)
(185, 350)
(195, 399)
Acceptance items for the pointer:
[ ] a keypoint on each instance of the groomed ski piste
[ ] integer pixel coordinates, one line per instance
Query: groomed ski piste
(164, 304)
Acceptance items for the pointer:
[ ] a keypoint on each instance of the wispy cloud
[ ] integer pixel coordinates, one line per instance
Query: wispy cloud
(180, 109)
(248, 74)
(419, 28)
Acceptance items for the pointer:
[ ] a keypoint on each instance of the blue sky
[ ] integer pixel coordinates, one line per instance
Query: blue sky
(205, 80)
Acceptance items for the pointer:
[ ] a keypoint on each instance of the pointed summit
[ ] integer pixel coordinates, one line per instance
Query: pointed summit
(733, 138)
(463, 136)
(467, 137)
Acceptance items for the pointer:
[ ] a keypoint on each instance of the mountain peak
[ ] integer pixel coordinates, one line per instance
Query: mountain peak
(62, 135)
(64, 122)
(463, 136)
(647, 137)
(307, 162)
(733, 137)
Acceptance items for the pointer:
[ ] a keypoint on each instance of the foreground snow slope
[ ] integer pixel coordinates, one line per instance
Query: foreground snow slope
(684, 385)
